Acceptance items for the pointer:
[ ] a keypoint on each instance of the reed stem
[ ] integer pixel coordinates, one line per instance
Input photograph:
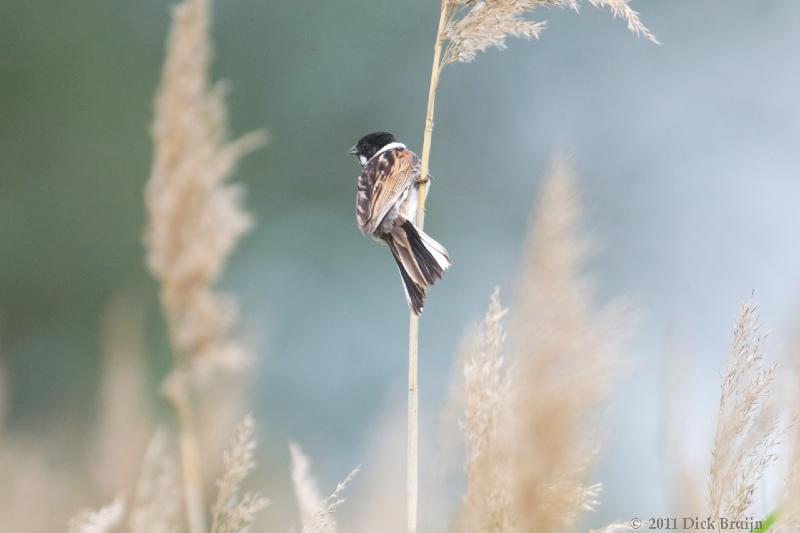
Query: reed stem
(412, 467)
(177, 390)
(190, 457)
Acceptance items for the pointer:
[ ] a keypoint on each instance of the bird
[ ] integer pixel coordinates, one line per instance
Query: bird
(387, 196)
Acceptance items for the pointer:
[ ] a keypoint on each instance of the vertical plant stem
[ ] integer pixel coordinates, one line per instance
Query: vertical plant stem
(428, 134)
(413, 426)
(412, 466)
(190, 455)
(177, 390)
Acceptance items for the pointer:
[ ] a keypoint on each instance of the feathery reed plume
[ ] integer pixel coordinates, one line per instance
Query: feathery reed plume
(530, 430)
(195, 219)
(125, 414)
(156, 501)
(467, 27)
(104, 520)
(747, 430)
(316, 512)
(487, 391)
(567, 353)
(232, 513)
(309, 499)
(474, 26)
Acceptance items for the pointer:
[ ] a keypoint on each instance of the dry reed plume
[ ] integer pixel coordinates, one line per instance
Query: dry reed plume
(467, 27)
(104, 520)
(316, 512)
(567, 354)
(529, 423)
(195, 219)
(487, 395)
(156, 502)
(473, 26)
(309, 499)
(233, 512)
(747, 430)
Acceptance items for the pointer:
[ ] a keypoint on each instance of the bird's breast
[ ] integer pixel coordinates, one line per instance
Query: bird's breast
(405, 207)
(409, 201)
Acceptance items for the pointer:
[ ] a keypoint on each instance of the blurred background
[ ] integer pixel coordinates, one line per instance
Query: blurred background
(687, 154)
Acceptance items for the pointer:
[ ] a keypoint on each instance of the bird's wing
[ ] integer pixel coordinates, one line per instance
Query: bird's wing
(381, 185)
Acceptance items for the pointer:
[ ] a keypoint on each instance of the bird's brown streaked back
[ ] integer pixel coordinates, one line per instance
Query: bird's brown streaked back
(382, 182)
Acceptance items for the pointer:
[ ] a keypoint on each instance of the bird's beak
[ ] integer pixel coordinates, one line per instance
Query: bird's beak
(353, 150)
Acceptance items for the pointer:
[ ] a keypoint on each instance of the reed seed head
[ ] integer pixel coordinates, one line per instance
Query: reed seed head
(473, 26)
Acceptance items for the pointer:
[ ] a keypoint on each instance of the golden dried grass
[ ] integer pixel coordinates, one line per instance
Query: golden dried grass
(530, 427)
(487, 402)
(232, 511)
(473, 26)
(195, 219)
(317, 514)
(747, 429)
(194, 215)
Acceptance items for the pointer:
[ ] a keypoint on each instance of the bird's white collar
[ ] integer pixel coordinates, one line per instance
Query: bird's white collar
(390, 146)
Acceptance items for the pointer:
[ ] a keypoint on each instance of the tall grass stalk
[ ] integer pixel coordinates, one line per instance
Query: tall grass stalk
(466, 28)
(190, 461)
(195, 219)
(412, 467)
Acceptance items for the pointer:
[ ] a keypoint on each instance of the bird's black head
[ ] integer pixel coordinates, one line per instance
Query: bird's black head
(368, 145)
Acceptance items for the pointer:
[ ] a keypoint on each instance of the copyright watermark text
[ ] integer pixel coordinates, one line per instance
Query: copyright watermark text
(695, 523)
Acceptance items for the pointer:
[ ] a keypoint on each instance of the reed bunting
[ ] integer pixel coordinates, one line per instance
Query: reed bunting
(386, 207)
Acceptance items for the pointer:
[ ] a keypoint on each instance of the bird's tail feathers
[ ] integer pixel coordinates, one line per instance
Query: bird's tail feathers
(415, 294)
(421, 260)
